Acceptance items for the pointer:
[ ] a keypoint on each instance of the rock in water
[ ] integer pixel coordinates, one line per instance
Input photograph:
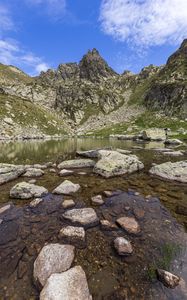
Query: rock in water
(168, 279)
(53, 258)
(68, 204)
(123, 246)
(172, 171)
(76, 163)
(97, 200)
(113, 163)
(83, 216)
(33, 172)
(67, 188)
(72, 234)
(25, 190)
(10, 172)
(69, 285)
(65, 172)
(129, 224)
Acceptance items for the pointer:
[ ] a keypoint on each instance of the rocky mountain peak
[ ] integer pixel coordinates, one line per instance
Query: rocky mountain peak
(93, 67)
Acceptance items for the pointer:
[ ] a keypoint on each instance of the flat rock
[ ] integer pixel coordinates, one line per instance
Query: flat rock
(25, 190)
(65, 172)
(67, 188)
(68, 204)
(168, 279)
(10, 172)
(113, 163)
(69, 285)
(97, 200)
(173, 153)
(173, 142)
(171, 171)
(129, 224)
(123, 151)
(83, 216)
(76, 163)
(89, 153)
(33, 172)
(123, 246)
(53, 258)
(72, 234)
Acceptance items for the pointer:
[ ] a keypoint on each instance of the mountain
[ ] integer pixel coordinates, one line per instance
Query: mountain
(168, 90)
(90, 95)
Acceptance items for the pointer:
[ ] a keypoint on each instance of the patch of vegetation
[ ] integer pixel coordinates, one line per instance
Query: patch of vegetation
(115, 129)
(28, 114)
(13, 73)
(167, 252)
(90, 110)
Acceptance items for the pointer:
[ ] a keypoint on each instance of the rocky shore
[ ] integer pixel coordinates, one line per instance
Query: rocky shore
(49, 242)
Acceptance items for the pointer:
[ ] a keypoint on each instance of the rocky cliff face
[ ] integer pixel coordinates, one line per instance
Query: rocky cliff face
(85, 92)
(168, 90)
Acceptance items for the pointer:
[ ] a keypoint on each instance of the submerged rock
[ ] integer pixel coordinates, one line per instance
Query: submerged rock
(76, 163)
(83, 216)
(69, 285)
(113, 163)
(173, 153)
(168, 279)
(123, 246)
(5, 208)
(72, 234)
(89, 153)
(35, 202)
(129, 224)
(33, 172)
(53, 258)
(65, 172)
(67, 187)
(122, 151)
(107, 225)
(172, 171)
(25, 190)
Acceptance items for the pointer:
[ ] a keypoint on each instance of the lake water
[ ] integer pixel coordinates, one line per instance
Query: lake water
(161, 243)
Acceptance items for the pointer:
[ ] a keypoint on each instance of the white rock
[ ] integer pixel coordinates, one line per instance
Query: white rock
(53, 258)
(35, 202)
(25, 190)
(82, 216)
(76, 163)
(172, 171)
(66, 188)
(123, 246)
(73, 234)
(68, 203)
(4, 208)
(33, 172)
(97, 200)
(69, 285)
(65, 172)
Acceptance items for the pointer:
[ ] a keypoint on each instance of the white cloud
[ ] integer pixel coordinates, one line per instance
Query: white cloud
(54, 8)
(145, 23)
(12, 52)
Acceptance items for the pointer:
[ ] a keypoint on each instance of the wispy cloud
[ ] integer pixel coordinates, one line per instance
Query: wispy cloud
(54, 8)
(12, 52)
(145, 23)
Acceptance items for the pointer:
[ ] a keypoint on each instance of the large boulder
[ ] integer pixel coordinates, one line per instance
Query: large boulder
(53, 258)
(172, 171)
(76, 163)
(154, 134)
(82, 216)
(113, 163)
(10, 172)
(69, 285)
(25, 190)
(67, 188)
(88, 154)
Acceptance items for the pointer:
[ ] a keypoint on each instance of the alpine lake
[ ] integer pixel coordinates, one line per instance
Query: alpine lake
(160, 207)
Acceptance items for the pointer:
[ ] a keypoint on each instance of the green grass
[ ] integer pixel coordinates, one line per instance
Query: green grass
(168, 252)
(115, 129)
(6, 72)
(28, 114)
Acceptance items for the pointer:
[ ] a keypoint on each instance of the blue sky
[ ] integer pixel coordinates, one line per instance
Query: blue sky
(39, 34)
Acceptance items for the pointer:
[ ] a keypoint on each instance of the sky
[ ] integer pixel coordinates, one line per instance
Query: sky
(130, 34)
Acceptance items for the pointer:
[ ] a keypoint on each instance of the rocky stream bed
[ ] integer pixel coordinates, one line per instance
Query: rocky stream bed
(121, 229)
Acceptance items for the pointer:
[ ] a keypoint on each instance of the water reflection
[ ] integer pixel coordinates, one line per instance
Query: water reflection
(43, 151)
